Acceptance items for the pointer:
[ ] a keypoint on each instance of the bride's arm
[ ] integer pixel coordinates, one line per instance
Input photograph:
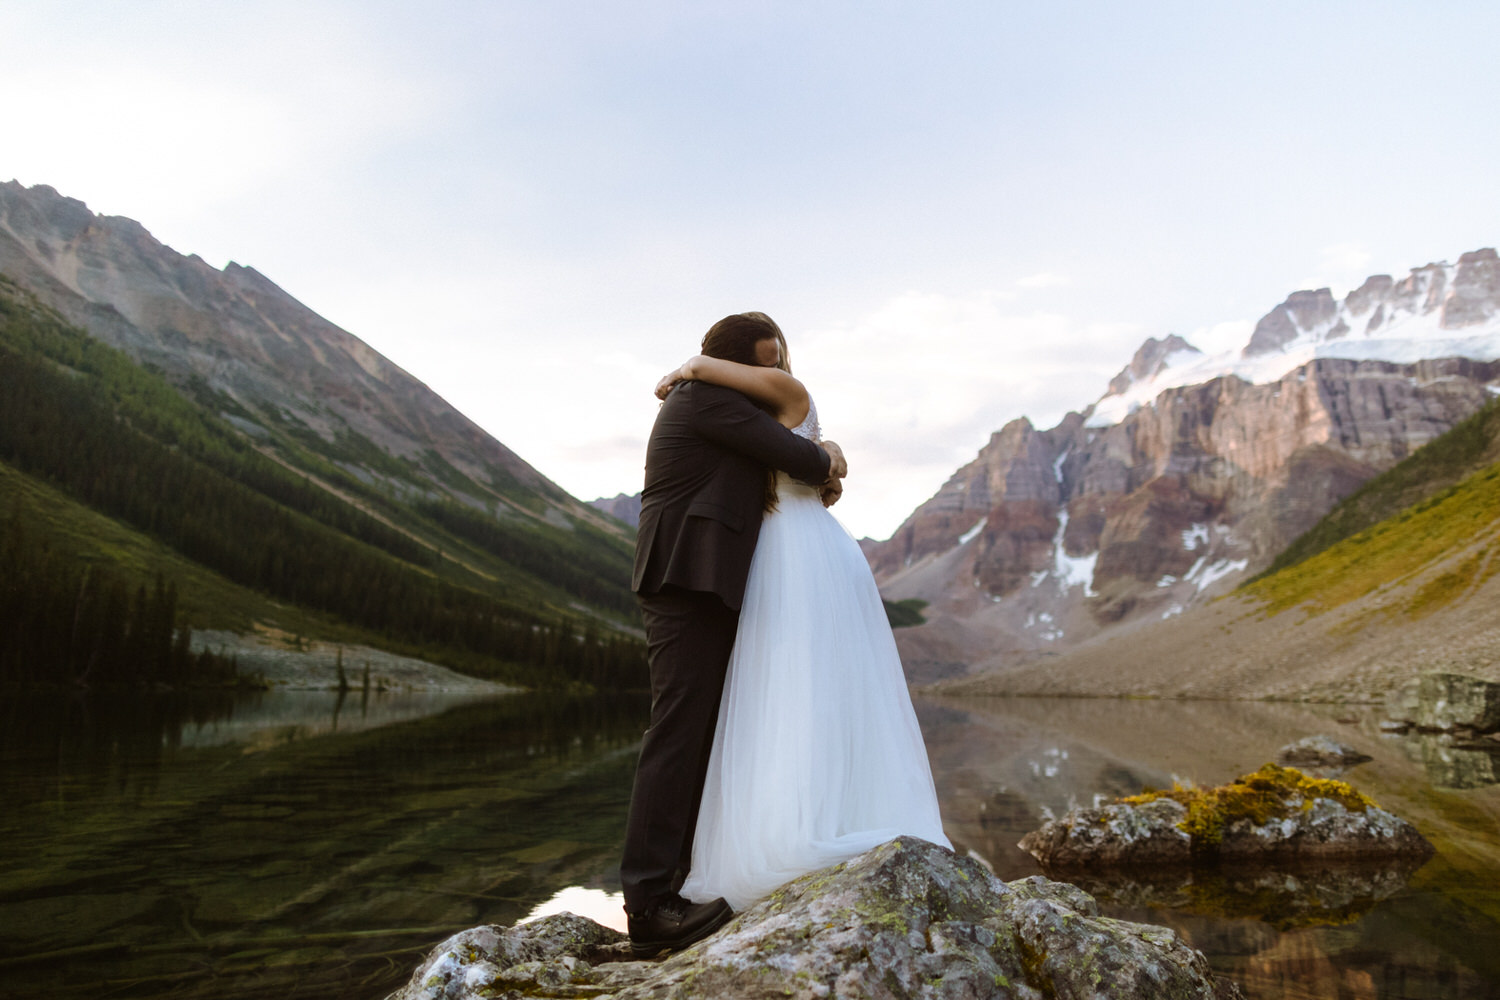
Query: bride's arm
(771, 386)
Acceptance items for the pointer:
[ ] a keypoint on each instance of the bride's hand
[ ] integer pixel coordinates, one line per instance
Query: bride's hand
(666, 383)
(837, 467)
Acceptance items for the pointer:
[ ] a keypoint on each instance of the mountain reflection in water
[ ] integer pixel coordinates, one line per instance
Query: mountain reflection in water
(294, 844)
(290, 845)
(1003, 766)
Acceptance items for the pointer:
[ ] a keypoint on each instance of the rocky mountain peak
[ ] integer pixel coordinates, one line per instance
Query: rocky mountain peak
(1475, 296)
(626, 507)
(1376, 289)
(1192, 471)
(1302, 313)
(1150, 359)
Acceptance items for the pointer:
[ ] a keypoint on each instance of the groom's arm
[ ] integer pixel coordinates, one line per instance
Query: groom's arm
(731, 421)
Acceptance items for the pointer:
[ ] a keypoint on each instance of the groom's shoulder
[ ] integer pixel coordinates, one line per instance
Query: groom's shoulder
(703, 400)
(707, 394)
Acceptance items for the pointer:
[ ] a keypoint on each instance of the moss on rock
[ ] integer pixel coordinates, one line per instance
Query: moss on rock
(1273, 792)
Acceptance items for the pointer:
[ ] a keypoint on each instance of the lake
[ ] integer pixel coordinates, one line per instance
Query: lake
(293, 844)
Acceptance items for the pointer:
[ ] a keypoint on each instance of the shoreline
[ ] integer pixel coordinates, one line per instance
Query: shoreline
(286, 664)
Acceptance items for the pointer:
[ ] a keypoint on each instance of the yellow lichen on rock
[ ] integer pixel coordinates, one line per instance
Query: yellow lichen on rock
(1270, 793)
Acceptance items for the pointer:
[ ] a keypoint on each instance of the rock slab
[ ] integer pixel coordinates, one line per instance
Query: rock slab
(907, 919)
(1441, 701)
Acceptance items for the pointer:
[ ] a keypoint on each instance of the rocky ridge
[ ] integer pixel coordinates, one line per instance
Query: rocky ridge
(1191, 472)
(271, 361)
(625, 507)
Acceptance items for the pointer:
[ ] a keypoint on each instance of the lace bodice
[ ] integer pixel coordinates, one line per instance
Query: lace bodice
(809, 427)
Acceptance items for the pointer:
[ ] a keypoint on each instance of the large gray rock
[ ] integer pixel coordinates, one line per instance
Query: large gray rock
(1273, 815)
(1117, 835)
(907, 919)
(1446, 701)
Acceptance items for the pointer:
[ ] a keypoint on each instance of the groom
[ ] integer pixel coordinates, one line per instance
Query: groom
(706, 469)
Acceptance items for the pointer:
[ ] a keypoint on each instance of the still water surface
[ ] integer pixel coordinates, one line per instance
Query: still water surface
(298, 844)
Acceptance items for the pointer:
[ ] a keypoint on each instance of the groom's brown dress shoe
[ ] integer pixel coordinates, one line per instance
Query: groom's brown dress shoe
(673, 922)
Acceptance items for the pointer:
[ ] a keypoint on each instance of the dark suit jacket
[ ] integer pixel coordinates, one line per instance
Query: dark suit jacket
(705, 486)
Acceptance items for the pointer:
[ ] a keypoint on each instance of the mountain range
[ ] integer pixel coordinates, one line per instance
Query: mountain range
(273, 360)
(293, 467)
(1191, 473)
(289, 468)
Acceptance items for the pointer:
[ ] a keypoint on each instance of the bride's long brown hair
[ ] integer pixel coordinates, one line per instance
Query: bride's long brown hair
(733, 338)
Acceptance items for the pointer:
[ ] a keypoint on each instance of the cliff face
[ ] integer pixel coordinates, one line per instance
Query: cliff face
(1191, 472)
(265, 352)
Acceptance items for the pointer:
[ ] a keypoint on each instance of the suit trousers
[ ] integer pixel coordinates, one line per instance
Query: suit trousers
(689, 636)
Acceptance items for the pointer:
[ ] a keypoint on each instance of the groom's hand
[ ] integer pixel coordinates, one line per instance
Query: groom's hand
(830, 492)
(837, 467)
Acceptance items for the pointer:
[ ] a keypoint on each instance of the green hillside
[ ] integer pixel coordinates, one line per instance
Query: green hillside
(1425, 533)
(504, 595)
(1436, 466)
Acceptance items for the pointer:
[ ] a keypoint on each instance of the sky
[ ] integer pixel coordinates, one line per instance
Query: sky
(960, 213)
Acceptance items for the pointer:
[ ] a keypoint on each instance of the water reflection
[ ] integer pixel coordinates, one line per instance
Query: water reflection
(1003, 766)
(607, 908)
(294, 845)
(1450, 764)
(268, 718)
(194, 853)
(1283, 897)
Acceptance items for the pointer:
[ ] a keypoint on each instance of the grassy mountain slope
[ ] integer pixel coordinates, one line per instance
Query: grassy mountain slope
(1432, 553)
(509, 596)
(1431, 469)
(1365, 602)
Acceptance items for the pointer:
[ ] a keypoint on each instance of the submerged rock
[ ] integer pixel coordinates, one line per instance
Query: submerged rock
(1445, 702)
(1276, 814)
(1322, 752)
(907, 919)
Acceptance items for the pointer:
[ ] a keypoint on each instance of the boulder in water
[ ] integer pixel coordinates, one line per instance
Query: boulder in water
(1324, 756)
(1446, 702)
(1276, 814)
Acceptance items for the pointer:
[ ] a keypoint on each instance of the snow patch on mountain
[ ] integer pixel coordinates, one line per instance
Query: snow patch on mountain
(1438, 311)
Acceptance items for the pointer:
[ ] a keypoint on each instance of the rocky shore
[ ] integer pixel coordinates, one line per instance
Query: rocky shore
(908, 919)
(286, 662)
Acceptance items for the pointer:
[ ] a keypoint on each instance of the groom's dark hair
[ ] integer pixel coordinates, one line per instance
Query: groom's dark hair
(733, 338)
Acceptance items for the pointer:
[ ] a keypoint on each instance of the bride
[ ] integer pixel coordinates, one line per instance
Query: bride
(817, 756)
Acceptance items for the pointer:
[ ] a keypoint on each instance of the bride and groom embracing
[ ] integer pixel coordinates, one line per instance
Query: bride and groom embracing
(782, 736)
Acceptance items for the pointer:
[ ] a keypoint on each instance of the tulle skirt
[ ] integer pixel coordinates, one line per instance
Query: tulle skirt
(817, 756)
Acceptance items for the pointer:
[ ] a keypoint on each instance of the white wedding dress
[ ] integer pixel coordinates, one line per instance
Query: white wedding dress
(817, 756)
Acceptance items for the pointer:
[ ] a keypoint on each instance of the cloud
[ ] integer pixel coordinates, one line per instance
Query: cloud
(914, 389)
(1044, 279)
(195, 109)
(1341, 267)
(1230, 335)
(1346, 256)
(606, 449)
